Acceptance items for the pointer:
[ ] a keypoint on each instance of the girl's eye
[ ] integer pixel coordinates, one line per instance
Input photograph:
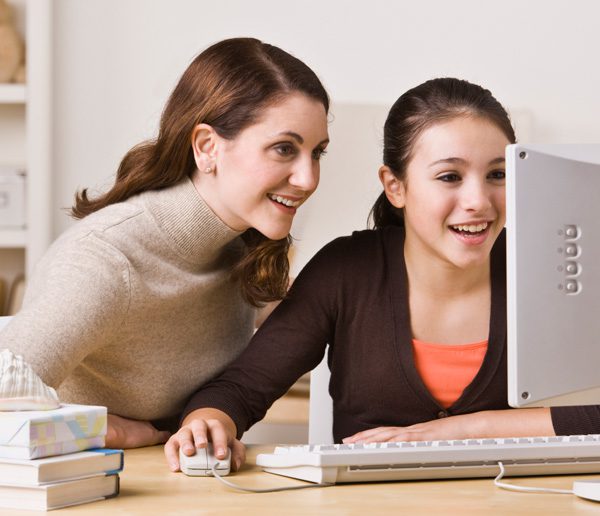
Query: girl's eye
(498, 175)
(318, 154)
(450, 177)
(285, 149)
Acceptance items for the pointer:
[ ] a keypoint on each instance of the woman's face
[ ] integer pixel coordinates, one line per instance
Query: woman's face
(262, 176)
(454, 193)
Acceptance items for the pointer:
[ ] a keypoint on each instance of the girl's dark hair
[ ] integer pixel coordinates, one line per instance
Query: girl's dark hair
(227, 86)
(437, 100)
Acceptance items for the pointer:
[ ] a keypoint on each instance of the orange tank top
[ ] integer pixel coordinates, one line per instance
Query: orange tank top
(446, 370)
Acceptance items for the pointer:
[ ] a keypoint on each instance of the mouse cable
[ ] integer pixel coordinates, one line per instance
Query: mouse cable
(269, 490)
(511, 487)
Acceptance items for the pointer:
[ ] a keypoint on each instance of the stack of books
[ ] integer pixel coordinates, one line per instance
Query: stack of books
(55, 458)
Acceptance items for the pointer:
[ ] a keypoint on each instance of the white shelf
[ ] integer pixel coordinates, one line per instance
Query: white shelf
(13, 93)
(26, 115)
(13, 238)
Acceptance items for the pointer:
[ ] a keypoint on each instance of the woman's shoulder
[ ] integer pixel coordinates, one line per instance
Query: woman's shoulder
(91, 242)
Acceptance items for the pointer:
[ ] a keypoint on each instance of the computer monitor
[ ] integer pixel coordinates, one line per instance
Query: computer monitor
(553, 274)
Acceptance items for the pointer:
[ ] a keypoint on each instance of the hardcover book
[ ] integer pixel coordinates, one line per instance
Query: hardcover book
(60, 494)
(27, 472)
(42, 433)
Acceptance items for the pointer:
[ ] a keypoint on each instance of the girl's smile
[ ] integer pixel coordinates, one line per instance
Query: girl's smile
(453, 192)
(472, 233)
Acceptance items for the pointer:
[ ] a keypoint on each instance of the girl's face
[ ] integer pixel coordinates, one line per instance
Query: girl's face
(268, 170)
(454, 193)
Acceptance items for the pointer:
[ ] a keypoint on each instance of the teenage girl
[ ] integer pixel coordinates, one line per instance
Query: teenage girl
(413, 311)
(154, 291)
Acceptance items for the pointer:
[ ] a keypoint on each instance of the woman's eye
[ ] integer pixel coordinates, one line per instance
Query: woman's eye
(285, 149)
(319, 153)
(498, 175)
(450, 177)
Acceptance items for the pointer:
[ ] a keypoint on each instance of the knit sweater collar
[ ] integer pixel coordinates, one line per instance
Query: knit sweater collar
(195, 231)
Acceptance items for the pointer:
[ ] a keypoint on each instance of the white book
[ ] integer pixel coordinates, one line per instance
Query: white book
(61, 494)
(21, 472)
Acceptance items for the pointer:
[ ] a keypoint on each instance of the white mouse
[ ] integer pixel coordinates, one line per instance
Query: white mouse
(588, 489)
(200, 464)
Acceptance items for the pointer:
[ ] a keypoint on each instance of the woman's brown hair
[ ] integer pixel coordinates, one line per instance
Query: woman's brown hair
(436, 100)
(227, 86)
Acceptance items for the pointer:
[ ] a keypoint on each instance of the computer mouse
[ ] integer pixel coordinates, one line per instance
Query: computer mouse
(588, 489)
(200, 464)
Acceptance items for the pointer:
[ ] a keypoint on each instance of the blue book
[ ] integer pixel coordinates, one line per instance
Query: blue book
(36, 472)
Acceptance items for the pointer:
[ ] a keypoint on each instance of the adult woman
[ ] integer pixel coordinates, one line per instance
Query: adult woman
(414, 311)
(155, 290)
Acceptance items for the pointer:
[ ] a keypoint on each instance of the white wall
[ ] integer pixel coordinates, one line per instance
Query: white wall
(117, 60)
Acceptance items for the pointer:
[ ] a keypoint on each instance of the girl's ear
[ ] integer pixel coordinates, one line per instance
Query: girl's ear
(393, 187)
(204, 145)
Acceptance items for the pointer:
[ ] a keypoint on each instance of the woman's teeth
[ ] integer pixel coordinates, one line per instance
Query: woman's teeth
(472, 228)
(282, 200)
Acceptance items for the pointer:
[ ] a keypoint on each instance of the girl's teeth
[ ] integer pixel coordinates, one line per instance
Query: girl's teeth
(471, 228)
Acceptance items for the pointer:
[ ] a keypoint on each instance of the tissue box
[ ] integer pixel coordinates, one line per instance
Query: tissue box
(12, 198)
(40, 433)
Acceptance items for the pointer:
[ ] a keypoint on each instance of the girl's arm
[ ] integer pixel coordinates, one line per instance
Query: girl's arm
(290, 343)
(488, 423)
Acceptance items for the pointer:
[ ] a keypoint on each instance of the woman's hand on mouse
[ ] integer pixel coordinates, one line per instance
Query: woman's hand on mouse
(200, 427)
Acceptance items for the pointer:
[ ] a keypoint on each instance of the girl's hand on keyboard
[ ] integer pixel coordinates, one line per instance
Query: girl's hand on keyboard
(488, 423)
(451, 427)
(200, 427)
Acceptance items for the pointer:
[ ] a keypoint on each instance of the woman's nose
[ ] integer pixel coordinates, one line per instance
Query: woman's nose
(305, 175)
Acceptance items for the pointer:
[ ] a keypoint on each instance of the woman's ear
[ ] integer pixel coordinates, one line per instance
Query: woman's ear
(393, 187)
(204, 145)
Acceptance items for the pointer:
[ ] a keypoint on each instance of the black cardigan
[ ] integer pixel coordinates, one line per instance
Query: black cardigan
(353, 295)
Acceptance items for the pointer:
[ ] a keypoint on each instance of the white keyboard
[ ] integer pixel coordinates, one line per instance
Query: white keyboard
(419, 460)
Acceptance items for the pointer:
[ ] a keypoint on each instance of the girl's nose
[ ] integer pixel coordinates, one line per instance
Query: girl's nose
(475, 197)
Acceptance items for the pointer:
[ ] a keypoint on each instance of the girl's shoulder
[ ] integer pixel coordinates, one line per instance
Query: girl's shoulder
(361, 249)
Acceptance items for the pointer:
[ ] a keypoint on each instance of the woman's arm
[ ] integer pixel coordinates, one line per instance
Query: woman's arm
(130, 433)
(488, 423)
(75, 303)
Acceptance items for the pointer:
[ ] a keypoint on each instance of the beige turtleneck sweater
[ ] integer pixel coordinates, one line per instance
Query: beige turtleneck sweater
(133, 307)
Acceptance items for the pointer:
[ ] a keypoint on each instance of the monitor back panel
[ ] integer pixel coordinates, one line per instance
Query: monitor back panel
(553, 271)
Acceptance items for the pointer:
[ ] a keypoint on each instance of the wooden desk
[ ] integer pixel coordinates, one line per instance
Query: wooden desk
(148, 487)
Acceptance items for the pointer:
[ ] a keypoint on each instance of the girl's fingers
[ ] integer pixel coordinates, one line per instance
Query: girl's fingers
(172, 447)
(238, 454)
(219, 438)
